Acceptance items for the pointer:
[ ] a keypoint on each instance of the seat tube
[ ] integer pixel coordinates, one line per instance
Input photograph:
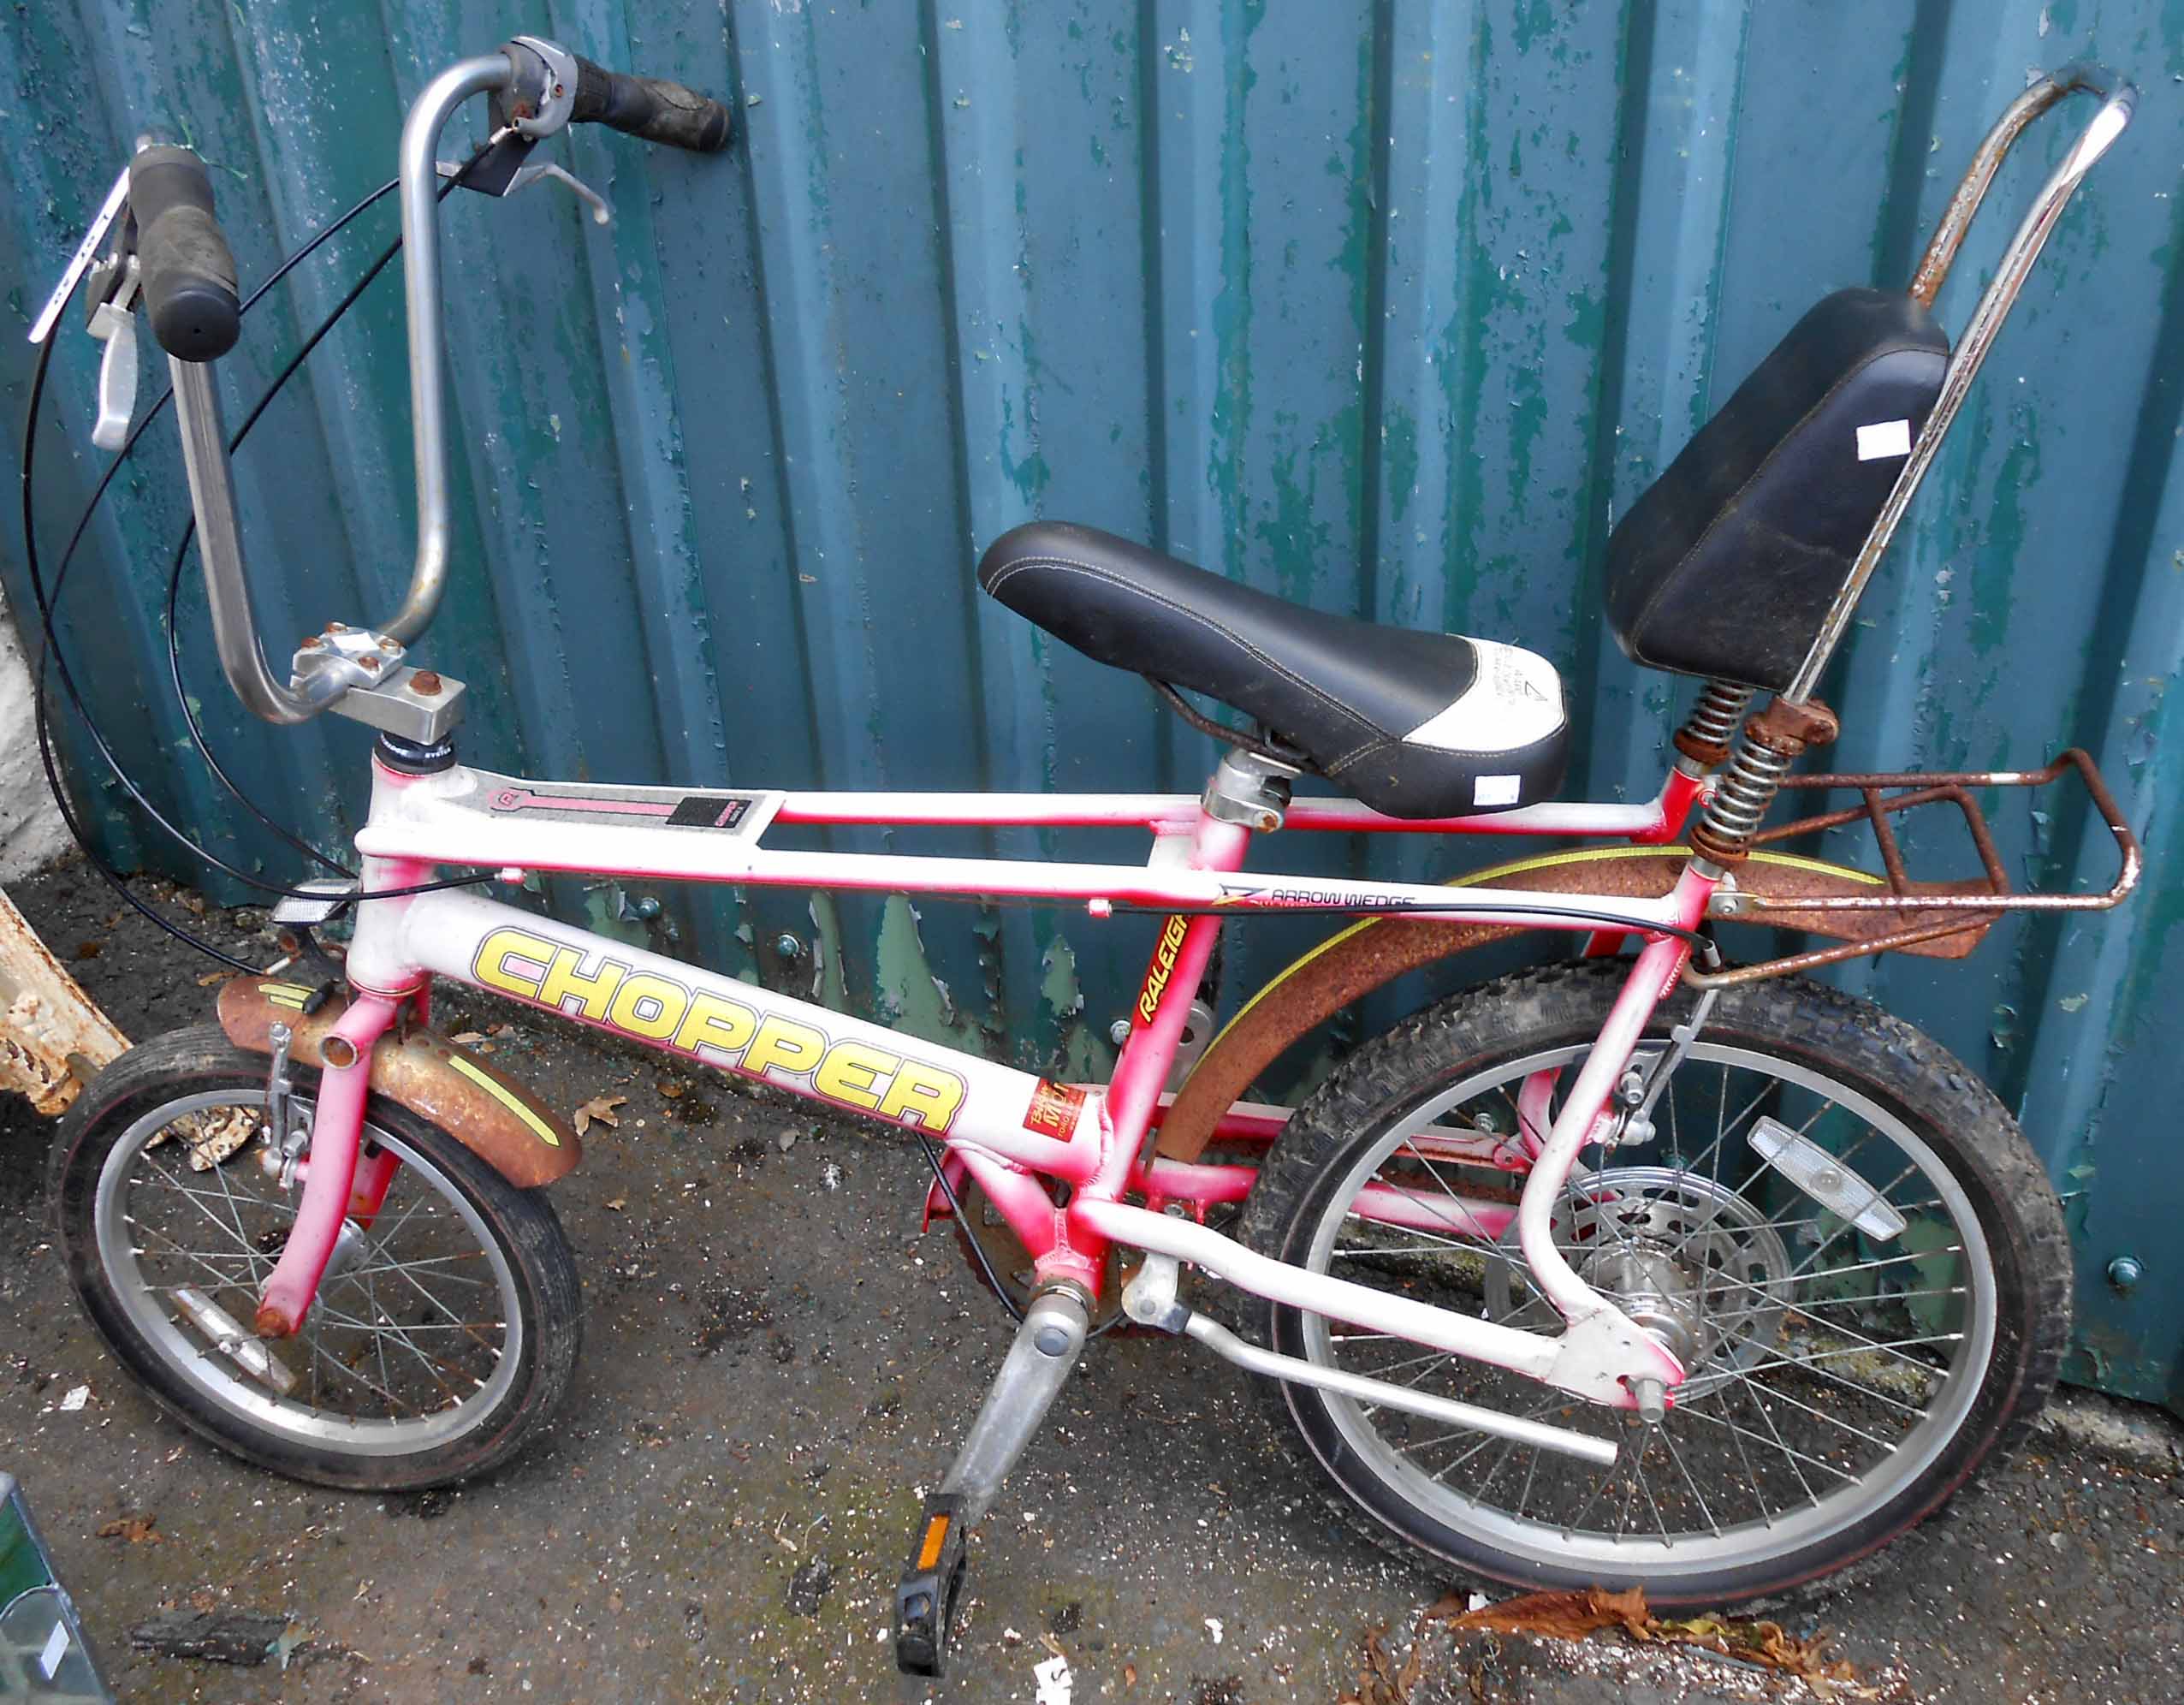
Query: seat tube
(1162, 1009)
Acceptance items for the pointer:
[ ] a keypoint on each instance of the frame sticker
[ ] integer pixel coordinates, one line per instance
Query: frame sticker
(647, 1006)
(1054, 1108)
(721, 813)
(1163, 967)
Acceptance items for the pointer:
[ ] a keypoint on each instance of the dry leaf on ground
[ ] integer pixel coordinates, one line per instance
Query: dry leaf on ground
(599, 1107)
(137, 1530)
(1555, 1616)
(1574, 1616)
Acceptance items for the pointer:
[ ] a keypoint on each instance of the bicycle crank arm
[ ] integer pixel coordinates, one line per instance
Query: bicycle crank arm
(1150, 1300)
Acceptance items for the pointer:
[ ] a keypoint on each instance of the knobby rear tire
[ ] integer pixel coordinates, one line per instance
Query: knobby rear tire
(1817, 1030)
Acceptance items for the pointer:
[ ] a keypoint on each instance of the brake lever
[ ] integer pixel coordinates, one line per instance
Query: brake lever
(524, 176)
(114, 324)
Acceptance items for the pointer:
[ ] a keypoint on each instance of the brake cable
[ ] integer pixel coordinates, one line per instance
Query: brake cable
(48, 604)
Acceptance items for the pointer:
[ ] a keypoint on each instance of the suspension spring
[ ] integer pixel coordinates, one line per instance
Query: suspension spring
(1709, 730)
(1741, 800)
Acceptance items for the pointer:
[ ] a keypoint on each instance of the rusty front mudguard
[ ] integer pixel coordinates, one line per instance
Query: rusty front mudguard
(1375, 951)
(488, 1113)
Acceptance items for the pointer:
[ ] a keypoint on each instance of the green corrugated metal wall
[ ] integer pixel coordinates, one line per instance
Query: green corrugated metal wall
(1385, 305)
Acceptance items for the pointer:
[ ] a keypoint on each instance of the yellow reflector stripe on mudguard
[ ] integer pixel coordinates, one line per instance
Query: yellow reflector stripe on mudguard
(936, 1536)
(1593, 855)
(285, 994)
(1587, 855)
(500, 1092)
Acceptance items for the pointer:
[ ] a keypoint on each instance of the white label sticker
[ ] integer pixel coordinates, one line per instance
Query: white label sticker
(1496, 790)
(56, 1647)
(1883, 439)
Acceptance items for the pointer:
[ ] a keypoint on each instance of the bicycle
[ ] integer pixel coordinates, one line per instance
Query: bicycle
(1812, 1280)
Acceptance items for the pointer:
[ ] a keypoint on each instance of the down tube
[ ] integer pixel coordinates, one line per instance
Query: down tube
(742, 1027)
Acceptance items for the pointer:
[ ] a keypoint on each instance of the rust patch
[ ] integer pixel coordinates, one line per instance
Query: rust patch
(1368, 955)
(480, 1106)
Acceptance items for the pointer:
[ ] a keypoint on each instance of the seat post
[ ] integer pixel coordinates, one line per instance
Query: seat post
(1248, 789)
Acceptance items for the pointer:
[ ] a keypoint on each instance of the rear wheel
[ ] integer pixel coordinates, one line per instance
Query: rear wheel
(443, 1332)
(1840, 1230)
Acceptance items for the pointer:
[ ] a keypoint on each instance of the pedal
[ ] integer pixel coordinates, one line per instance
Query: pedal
(925, 1598)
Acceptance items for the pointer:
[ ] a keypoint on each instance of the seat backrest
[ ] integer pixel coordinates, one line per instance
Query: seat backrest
(1726, 566)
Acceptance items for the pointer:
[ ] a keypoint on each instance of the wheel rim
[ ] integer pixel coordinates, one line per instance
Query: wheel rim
(1797, 1422)
(417, 1332)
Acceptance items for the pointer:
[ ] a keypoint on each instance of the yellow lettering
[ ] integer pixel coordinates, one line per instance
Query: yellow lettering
(493, 965)
(850, 1072)
(786, 1044)
(927, 1092)
(593, 994)
(646, 1005)
(1162, 968)
(724, 1025)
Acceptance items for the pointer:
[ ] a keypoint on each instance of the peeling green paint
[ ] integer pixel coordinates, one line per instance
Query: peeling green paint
(906, 995)
(1423, 299)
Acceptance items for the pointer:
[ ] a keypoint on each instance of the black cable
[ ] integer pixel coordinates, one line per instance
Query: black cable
(955, 1207)
(49, 638)
(45, 744)
(49, 601)
(175, 579)
(189, 531)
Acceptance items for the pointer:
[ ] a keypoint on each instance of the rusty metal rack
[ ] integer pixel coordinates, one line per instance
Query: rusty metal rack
(1946, 918)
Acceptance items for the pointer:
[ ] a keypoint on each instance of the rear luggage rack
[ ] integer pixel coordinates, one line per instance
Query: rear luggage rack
(1947, 919)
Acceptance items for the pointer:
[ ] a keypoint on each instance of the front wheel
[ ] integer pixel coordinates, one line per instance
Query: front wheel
(1839, 1229)
(444, 1332)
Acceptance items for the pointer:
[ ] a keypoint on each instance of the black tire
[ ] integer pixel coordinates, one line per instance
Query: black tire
(528, 1271)
(1823, 1036)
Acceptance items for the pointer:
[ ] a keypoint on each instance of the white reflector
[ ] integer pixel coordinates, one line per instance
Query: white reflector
(1834, 1186)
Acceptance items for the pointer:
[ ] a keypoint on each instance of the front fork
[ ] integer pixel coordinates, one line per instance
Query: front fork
(335, 1187)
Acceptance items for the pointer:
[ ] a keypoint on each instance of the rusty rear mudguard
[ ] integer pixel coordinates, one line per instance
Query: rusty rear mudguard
(1375, 951)
(497, 1119)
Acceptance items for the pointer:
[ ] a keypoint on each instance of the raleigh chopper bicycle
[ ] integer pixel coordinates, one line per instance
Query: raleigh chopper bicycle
(1644, 1268)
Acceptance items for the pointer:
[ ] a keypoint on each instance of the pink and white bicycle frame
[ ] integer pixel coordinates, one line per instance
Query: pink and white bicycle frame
(1016, 1135)
(1013, 1133)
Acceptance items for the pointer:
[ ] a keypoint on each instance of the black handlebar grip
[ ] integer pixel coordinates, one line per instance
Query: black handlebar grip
(650, 107)
(188, 276)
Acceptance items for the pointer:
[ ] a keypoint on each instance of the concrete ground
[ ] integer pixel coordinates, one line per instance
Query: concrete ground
(775, 1361)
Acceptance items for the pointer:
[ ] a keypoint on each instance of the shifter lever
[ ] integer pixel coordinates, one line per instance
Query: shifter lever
(526, 176)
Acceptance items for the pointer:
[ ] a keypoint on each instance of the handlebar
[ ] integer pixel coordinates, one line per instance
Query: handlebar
(188, 276)
(188, 280)
(538, 87)
(651, 108)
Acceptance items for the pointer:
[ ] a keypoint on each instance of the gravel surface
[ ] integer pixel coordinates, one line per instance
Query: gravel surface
(776, 1362)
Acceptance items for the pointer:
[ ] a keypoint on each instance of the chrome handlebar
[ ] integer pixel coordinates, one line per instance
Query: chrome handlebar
(539, 88)
(420, 194)
(329, 667)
